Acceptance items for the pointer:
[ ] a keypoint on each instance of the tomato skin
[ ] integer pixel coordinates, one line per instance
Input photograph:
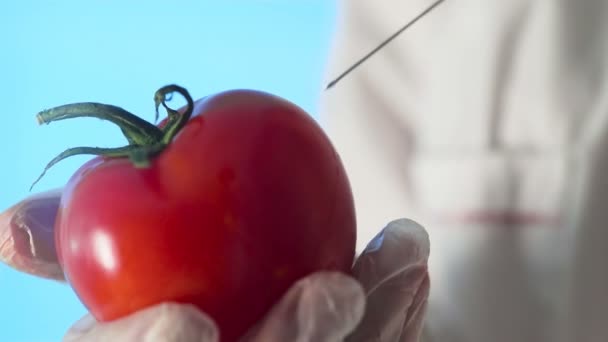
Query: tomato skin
(248, 198)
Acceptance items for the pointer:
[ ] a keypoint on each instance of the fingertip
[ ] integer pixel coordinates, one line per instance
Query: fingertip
(170, 322)
(401, 250)
(27, 240)
(83, 325)
(411, 232)
(181, 322)
(400, 238)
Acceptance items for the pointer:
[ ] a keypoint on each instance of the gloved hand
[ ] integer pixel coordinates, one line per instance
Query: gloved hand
(385, 303)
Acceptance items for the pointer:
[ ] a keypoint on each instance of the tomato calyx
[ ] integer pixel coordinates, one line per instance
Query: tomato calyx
(145, 139)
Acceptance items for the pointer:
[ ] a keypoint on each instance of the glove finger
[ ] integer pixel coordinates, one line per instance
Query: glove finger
(399, 245)
(393, 272)
(167, 322)
(27, 241)
(323, 307)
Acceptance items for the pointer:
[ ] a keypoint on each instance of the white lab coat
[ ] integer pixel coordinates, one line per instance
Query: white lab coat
(487, 122)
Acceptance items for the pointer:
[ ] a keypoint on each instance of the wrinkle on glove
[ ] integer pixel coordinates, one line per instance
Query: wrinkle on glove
(393, 272)
(27, 235)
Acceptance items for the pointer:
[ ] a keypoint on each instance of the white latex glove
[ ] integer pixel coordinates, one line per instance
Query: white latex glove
(385, 303)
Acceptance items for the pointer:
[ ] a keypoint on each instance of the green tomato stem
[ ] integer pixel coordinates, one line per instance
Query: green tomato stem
(145, 139)
(136, 130)
(176, 121)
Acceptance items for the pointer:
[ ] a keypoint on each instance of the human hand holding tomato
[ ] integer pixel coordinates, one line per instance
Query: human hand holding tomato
(320, 307)
(225, 207)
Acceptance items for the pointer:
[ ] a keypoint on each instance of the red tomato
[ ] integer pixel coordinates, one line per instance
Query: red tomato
(249, 197)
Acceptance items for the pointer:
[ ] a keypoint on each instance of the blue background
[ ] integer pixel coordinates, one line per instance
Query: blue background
(120, 52)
